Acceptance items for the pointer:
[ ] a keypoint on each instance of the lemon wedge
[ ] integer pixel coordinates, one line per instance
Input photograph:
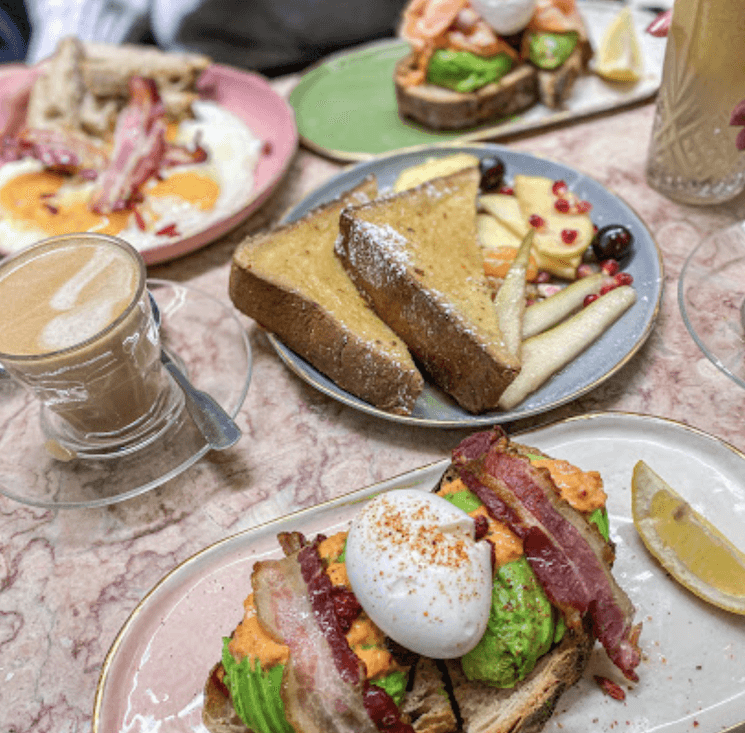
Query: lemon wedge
(687, 545)
(619, 57)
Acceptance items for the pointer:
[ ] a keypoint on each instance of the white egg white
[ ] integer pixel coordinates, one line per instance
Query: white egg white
(505, 16)
(418, 572)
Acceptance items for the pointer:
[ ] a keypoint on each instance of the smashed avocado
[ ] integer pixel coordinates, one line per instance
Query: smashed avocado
(256, 692)
(464, 71)
(551, 50)
(520, 629)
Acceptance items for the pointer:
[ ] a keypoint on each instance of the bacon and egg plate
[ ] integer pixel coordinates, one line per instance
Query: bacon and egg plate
(40, 197)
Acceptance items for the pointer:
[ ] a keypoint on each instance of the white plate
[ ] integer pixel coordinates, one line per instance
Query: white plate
(692, 676)
(595, 365)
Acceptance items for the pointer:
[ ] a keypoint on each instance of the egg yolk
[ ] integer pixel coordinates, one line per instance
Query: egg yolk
(35, 199)
(28, 199)
(197, 189)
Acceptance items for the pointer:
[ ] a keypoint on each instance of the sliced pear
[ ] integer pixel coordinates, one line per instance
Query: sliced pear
(543, 355)
(547, 313)
(506, 209)
(510, 300)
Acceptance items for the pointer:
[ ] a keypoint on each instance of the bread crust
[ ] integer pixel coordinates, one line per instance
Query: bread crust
(526, 707)
(355, 363)
(444, 109)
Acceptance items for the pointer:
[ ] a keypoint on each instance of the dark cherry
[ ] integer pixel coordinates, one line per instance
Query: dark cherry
(492, 173)
(612, 242)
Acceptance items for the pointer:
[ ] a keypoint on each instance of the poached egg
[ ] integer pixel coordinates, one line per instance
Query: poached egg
(505, 16)
(417, 570)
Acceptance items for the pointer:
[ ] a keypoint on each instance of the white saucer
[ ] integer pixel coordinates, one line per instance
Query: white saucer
(213, 349)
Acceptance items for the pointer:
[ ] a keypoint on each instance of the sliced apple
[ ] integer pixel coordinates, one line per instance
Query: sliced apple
(506, 209)
(493, 234)
(563, 237)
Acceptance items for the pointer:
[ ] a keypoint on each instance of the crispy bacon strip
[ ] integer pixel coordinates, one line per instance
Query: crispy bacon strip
(324, 685)
(58, 150)
(566, 555)
(139, 146)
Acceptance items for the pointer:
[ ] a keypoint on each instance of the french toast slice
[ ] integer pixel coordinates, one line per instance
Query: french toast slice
(291, 283)
(415, 257)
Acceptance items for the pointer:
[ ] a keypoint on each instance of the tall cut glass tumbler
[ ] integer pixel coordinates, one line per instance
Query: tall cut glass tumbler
(692, 155)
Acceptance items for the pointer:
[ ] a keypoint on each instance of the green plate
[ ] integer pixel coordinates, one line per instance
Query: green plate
(346, 109)
(346, 106)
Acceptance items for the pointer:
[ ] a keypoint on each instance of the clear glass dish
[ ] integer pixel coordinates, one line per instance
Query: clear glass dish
(711, 295)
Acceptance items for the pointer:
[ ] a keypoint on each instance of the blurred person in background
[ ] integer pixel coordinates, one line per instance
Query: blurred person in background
(271, 36)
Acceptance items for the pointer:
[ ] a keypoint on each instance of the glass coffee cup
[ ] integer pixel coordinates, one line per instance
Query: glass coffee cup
(78, 332)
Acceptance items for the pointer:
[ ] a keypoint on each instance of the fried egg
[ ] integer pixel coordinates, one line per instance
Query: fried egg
(417, 570)
(35, 203)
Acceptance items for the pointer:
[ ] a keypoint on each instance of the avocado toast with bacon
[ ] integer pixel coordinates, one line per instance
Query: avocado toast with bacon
(552, 596)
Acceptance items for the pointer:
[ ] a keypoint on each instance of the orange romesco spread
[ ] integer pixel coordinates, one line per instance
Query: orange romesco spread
(583, 490)
(364, 638)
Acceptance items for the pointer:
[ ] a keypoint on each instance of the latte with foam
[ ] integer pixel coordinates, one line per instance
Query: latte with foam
(78, 332)
(57, 298)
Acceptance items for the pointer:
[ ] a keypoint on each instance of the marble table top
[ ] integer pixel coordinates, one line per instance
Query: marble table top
(69, 579)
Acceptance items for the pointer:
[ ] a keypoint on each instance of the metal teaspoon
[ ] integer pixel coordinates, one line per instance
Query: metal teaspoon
(215, 425)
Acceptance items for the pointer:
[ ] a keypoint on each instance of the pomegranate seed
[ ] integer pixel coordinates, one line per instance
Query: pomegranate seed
(536, 221)
(507, 190)
(609, 267)
(562, 205)
(591, 298)
(607, 287)
(623, 278)
(559, 187)
(584, 270)
(569, 235)
(583, 207)
(543, 277)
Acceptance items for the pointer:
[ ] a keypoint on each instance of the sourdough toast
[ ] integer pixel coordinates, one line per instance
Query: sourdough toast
(439, 108)
(415, 257)
(290, 282)
(84, 86)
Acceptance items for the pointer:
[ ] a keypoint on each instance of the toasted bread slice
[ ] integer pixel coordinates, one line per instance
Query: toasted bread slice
(555, 86)
(439, 108)
(83, 86)
(291, 283)
(416, 258)
(526, 707)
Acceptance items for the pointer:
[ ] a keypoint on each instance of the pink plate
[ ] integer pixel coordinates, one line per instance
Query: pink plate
(247, 95)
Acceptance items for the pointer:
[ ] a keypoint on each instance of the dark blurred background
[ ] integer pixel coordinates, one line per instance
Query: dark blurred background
(14, 31)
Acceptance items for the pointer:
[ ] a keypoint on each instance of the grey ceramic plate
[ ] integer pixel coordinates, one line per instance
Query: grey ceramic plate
(599, 362)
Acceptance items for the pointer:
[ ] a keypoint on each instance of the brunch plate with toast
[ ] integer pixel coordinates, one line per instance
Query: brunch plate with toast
(441, 400)
(357, 86)
(158, 667)
(168, 151)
